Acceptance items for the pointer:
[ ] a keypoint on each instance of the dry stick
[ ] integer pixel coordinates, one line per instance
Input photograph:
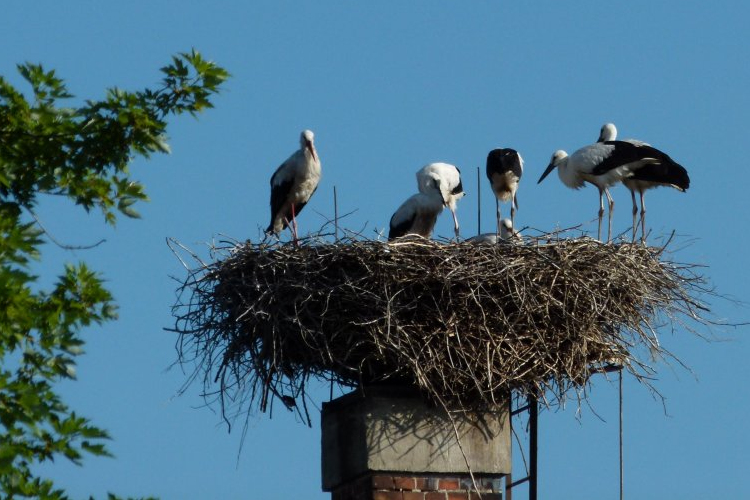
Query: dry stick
(55, 240)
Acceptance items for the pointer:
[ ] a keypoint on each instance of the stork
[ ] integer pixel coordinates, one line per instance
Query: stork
(504, 170)
(418, 214)
(508, 232)
(507, 235)
(292, 185)
(665, 173)
(602, 164)
(447, 178)
(485, 238)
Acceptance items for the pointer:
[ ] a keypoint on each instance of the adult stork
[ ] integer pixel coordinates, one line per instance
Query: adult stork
(504, 170)
(447, 178)
(665, 173)
(292, 185)
(602, 164)
(418, 214)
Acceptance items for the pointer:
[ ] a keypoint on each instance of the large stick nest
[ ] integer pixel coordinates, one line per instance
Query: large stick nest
(465, 323)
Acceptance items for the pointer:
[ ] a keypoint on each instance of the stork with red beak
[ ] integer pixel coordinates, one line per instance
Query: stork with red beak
(292, 185)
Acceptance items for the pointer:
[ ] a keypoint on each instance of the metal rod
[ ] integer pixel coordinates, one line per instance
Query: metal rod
(336, 213)
(533, 472)
(336, 233)
(509, 477)
(621, 471)
(479, 204)
(497, 216)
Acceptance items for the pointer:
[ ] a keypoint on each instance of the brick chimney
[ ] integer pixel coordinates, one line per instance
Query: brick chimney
(386, 443)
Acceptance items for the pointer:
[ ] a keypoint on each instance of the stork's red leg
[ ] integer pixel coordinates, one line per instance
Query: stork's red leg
(293, 226)
(609, 219)
(601, 214)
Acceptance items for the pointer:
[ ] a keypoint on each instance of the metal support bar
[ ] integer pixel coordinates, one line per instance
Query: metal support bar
(519, 410)
(479, 203)
(621, 476)
(509, 477)
(517, 482)
(533, 441)
(533, 408)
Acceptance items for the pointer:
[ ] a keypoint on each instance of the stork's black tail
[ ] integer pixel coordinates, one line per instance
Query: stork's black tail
(667, 171)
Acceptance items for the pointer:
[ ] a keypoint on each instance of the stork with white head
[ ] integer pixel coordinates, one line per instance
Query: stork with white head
(666, 172)
(419, 213)
(293, 184)
(507, 234)
(602, 164)
(447, 177)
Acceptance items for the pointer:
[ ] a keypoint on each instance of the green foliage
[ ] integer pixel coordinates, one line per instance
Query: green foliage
(81, 153)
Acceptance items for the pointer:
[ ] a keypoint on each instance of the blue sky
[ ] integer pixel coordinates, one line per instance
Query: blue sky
(388, 87)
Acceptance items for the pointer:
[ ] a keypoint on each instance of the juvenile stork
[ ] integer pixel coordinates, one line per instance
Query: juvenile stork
(602, 164)
(418, 214)
(665, 173)
(447, 178)
(504, 170)
(507, 234)
(292, 185)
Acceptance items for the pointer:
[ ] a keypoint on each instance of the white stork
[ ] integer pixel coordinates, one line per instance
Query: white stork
(504, 170)
(292, 185)
(602, 164)
(447, 178)
(665, 173)
(418, 214)
(485, 238)
(507, 234)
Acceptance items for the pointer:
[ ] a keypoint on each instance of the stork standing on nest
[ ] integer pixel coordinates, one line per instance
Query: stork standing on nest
(447, 178)
(292, 185)
(602, 164)
(504, 170)
(665, 173)
(418, 214)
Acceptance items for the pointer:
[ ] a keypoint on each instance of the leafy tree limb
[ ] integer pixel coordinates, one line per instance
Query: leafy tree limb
(82, 153)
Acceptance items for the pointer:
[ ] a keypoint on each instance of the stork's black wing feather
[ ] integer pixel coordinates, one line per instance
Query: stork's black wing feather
(625, 152)
(672, 173)
(279, 194)
(402, 228)
(460, 187)
(503, 160)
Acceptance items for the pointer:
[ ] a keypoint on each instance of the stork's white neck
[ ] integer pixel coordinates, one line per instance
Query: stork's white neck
(568, 176)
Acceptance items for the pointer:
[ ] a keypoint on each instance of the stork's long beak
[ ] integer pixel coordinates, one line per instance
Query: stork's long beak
(550, 168)
(311, 149)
